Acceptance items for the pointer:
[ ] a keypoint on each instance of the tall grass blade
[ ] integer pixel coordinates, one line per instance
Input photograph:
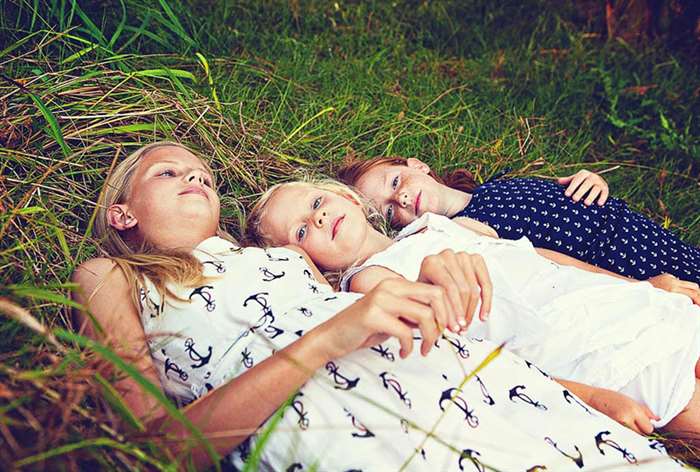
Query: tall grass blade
(53, 124)
(153, 390)
(174, 24)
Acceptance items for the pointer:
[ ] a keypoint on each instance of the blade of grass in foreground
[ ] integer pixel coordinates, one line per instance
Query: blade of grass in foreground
(55, 128)
(146, 384)
(253, 461)
(97, 442)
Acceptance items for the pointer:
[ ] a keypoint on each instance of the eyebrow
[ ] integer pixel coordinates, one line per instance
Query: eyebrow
(177, 163)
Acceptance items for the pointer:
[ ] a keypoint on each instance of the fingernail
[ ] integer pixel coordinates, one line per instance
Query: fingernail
(463, 322)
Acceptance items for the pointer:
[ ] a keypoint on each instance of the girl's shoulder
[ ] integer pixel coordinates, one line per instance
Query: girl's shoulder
(94, 272)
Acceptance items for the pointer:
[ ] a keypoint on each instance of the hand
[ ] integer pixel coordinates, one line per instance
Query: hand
(585, 182)
(465, 279)
(624, 410)
(393, 308)
(476, 226)
(673, 284)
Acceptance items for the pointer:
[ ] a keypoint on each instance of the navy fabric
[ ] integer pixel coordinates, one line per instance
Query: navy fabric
(612, 236)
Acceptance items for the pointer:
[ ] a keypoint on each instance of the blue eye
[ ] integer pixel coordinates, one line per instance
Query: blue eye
(390, 213)
(395, 183)
(301, 233)
(316, 204)
(168, 172)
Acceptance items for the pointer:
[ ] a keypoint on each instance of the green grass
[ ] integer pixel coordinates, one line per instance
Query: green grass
(262, 88)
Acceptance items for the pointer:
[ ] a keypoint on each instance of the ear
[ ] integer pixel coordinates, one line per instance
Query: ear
(120, 217)
(417, 164)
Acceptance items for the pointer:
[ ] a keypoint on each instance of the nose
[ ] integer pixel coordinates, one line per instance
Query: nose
(195, 176)
(320, 217)
(402, 198)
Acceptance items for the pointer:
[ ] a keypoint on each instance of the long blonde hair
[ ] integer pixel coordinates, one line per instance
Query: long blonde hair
(140, 260)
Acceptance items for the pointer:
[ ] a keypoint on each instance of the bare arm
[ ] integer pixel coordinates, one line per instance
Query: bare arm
(232, 412)
(617, 406)
(665, 282)
(225, 415)
(563, 259)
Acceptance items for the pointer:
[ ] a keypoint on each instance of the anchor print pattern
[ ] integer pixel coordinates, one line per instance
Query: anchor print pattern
(600, 440)
(195, 363)
(218, 266)
(571, 399)
(516, 392)
(576, 458)
(171, 366)
(461, 348)
(612, 236)
(298, 407)
(269, 276)
(146, 302)
(452, 395)
(272, 258)
(267, 318)
(363, 431)
(472, 456)
(195, 356)
(488, 399)
(247, 358)
(390, 382)
(384, 352)
(341, 382)
(530, 365)
(204, 292)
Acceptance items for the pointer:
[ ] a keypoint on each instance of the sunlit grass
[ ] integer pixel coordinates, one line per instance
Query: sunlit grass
(261, 88)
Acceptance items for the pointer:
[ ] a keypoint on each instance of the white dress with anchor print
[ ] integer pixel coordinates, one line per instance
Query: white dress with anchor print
(372, 410)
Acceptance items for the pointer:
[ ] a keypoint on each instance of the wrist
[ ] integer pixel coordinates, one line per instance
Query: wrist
(318, 346)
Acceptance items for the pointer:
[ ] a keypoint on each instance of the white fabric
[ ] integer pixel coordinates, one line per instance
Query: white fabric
(574, 324)
(371, 410)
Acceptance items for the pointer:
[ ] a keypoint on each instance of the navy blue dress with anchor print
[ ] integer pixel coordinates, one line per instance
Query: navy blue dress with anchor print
(612, 237)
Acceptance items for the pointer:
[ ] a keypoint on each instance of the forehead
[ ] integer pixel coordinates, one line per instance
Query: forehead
(285, 206)
(374, 178)
(173, 154)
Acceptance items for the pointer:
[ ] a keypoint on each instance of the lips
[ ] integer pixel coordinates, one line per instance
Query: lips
(336, 225)
(416, 203)
(193, 189)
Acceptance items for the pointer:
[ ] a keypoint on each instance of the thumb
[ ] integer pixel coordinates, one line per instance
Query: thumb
(644, 426)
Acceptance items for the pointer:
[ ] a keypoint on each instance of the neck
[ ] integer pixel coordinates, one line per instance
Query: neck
(181, 239)
(374, 242)
(454, 201)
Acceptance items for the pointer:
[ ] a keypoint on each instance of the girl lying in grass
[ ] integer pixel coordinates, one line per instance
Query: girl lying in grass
(234, 332)
(608, 235)
(573, 320)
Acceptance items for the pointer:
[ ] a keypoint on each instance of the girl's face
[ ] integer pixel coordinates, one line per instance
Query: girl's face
(402, 193)
(331, 228)
(171, 201)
